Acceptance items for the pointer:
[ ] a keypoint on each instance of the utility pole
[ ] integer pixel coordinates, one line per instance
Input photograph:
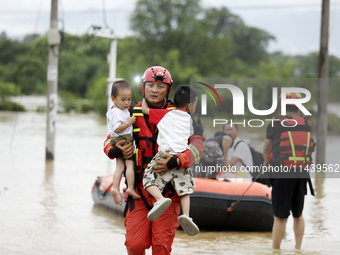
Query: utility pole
(112, 59)
(98, 31)
(52, 80)
(323, 86)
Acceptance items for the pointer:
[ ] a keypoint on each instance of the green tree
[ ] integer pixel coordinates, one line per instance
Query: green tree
(10, 50)
(29, 74)
(155, 20)
(309, 65)
(210, 40)
(8, 90)
(251, 44)
(3, 35)
(77, 72)
(28, 39)
(20, 66)
(97, 93)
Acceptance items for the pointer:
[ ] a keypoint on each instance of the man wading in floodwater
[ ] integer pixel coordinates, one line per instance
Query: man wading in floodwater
(289, 143)
(140, 232)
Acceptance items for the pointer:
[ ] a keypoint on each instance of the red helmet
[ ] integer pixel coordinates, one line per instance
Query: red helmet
(292, 95)
(157, 73)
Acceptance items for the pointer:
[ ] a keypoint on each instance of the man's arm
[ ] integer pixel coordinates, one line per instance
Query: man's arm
(266, 149)
(240, 152)
(118, 151)
(233, 161)
(108, 146)
(194, 152)
(189, 157)
(227, 141)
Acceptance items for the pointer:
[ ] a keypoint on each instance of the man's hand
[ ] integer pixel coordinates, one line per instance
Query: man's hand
(162, 165)
(127, 150)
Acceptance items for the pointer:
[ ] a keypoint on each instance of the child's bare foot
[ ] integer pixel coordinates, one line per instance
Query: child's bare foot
(132, 193)
(116, 196)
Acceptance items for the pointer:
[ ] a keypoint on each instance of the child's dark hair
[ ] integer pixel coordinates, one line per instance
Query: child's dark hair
(121, 84)
(184, 95)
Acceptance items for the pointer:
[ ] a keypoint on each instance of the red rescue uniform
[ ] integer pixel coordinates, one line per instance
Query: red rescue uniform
(140, 232)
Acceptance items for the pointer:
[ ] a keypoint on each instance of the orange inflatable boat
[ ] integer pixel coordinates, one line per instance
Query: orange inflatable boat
(209, 204)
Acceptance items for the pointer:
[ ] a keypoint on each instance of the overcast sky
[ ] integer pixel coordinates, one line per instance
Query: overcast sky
(295, 24)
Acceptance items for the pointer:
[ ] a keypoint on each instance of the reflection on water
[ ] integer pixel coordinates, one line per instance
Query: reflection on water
(111, 219)
(49, 217)
(318, 209)
(47, 208)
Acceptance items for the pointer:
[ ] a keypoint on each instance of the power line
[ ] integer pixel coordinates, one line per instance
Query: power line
(332, 22)
(104, 18)
(68, 12)
(129, 10)
(38, 16)
(275, 6)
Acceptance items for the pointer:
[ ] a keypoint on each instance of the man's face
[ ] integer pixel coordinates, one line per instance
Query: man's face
(155, 92)
(231, 130)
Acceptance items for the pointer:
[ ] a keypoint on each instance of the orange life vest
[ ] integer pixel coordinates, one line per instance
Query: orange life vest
(146, 142)
(146, 149)
(293, 143)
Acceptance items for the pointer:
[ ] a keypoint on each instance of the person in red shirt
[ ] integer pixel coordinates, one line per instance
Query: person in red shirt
(140, 232)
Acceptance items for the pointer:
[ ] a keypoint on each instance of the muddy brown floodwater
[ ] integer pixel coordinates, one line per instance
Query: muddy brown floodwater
(46, 206)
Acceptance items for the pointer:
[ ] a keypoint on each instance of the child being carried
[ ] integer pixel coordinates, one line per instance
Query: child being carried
(120, 123)
(175, 128)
